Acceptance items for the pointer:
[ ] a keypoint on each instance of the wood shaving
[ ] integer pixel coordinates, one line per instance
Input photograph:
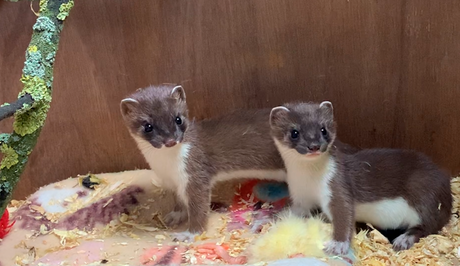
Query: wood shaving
(70, 238)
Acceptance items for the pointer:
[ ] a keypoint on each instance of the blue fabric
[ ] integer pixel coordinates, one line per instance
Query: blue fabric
(271, 191)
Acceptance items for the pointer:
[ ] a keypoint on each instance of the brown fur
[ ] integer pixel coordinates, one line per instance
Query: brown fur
(368, 175)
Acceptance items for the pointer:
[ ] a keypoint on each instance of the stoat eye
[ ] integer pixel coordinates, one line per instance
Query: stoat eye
(178, 121)
(148, 128)
(294, 134)
(323, 131)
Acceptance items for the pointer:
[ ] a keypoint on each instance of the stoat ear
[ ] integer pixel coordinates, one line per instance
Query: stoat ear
(178, 93)
(327, 108)
(325, 104)
(127, 105)
(278, 114)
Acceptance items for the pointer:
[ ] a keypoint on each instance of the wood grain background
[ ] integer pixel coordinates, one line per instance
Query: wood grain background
(391, 68)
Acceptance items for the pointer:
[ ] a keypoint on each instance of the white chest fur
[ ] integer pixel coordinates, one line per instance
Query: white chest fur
(308, 179)
(168, 164)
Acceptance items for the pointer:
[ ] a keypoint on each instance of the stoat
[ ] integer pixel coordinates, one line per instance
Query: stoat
(190, 156)
(388, 188)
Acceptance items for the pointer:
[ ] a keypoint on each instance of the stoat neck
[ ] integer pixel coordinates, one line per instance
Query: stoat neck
(167, 163)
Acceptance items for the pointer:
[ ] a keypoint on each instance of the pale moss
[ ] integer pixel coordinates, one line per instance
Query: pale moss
(33, 65)
(10, 157)
(5, 104)
(27, 122)
(46, 27)
(64, 10)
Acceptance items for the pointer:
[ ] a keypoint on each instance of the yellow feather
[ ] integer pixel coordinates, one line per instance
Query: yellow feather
(292, 235)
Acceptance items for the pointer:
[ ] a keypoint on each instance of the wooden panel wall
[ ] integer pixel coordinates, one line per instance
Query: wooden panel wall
(391, 68)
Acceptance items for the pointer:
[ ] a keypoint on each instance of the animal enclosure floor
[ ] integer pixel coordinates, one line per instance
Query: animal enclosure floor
(119, 222)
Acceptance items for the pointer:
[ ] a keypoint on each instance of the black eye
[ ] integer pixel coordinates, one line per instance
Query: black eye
(294, 134)
(148, 127)
(323, 131)
(178, 121)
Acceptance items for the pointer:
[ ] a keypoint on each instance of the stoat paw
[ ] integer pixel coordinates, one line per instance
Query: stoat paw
(403, 242)
(337, 248)
(175, 218)
(185, 236)
(299, 211)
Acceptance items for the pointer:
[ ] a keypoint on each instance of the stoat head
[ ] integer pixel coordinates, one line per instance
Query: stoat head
(308, 128)
(157, 114)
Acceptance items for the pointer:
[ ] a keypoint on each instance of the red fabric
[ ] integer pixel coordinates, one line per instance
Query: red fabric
(5, 227)
(246, 191)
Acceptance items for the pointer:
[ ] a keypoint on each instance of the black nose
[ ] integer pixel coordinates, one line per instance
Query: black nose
(313, 148)
(170, 142)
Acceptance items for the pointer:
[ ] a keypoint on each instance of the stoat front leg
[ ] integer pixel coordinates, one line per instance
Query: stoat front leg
(341, 212)
(197, 197)
(178, 216)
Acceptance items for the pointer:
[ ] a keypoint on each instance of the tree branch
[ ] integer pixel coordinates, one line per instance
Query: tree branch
(37, 80)
(9, 109)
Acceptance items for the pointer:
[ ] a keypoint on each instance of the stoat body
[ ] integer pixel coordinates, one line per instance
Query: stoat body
(190, 156)
(388, 188)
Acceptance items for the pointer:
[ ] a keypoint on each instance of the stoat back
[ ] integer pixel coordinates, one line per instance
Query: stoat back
(239, 140)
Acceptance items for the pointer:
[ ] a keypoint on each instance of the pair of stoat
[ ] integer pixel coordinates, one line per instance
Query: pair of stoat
(295, 143)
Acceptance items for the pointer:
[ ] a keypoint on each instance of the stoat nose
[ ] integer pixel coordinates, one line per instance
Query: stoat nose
(170, 142)
(314, 148)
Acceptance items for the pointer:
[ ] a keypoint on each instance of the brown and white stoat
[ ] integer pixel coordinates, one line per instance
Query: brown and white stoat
(388, 188)
(190, 156)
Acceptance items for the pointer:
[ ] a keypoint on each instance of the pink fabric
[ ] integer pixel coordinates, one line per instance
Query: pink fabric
(85, 253)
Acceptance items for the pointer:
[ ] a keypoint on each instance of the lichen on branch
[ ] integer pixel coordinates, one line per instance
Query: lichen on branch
(27, 122)
(37, 80)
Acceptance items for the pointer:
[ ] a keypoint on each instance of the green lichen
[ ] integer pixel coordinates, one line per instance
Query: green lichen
(43, 5)
(25, 108)
(5, 186)
(50, 57)
(5, 104)
(27, 122)
(46, 27)
(64, 10)
(49, 82)
(49, 60)
(4, 137)
(10, 157)
(35, 86)
(33, 65)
